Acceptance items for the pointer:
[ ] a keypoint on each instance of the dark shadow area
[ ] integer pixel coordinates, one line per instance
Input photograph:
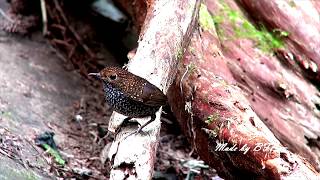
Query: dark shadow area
(39, 95)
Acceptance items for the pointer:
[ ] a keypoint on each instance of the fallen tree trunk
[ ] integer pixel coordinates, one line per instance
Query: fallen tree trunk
(301, 20)
(227, 124)
(230, 127)
(165, 35)
(224, 130)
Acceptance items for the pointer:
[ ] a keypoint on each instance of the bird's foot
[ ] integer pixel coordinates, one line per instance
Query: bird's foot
(128, 122)
(125, 122)
(141, 127)
(133, 133)
(139, 130)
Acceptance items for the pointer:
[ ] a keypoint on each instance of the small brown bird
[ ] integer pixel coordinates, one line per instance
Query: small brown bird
(130, 95)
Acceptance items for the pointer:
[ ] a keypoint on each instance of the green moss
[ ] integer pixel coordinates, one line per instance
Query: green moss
(9, 116)
(191, 68)
(217, 19)
(212, 133)
(205, 18)
(192, 50)
(54, 154)
(6, 114)
(180, 54)
(213, 117)
(265, 40)
(292, 4)
(209, 22)
(233, 15)
(280, 33)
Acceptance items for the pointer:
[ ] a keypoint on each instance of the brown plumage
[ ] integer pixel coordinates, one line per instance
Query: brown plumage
(131, 95)
(134, 86)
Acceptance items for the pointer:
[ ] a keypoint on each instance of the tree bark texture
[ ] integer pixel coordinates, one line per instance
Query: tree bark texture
(165, 34)
(246, 86)
(227, 53)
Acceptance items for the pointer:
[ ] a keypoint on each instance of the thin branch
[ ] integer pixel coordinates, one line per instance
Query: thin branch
(73, 31)
(44, 17)
(6, 16)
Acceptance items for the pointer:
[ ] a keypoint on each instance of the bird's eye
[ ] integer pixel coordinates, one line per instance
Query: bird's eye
(113, 77)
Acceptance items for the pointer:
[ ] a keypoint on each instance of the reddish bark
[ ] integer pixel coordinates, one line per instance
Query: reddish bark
(280, 96)
(217, 111)
(137, 10)
(166, 32)
(234, 121)
(301, 20)
(274, 92)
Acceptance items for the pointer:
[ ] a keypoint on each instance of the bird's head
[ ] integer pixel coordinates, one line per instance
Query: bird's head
(110, 75)
(132, 85)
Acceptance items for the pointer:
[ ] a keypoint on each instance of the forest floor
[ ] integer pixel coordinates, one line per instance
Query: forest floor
(40, 92)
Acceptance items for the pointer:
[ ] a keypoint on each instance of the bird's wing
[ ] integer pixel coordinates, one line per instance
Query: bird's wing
(152, 96)
(141, 90)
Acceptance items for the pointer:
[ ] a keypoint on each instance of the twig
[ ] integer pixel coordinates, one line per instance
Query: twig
(5, 16)
(60, 27)
(58, 53)
(62, 42)
(75, 34)
(5, 153)
(71, 53)
(182, 78)
(44, 17)
(14, 155)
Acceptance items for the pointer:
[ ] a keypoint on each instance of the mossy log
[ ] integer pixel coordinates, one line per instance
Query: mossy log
(243, 92)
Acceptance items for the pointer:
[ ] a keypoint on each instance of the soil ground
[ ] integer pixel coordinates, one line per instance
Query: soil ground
(39, 93)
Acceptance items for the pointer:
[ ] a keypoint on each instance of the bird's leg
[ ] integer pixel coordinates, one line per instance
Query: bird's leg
(125, 121)
(153, 117)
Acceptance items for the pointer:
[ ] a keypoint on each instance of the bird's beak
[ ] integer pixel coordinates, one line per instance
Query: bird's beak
(97, 75)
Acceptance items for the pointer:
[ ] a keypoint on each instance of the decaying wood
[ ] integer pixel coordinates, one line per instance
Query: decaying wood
(289, 101)
(217, 112)
(137, 10)
(166, 33)
(301, 20)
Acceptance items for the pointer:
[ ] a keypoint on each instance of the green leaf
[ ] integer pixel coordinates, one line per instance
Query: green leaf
(54, 153)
